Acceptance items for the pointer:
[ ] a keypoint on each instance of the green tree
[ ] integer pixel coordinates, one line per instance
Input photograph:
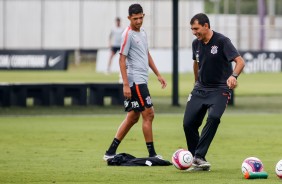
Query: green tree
(246, 6)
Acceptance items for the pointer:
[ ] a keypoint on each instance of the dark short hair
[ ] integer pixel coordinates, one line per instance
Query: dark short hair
(117, 19)
(135, 9)
(202, 19)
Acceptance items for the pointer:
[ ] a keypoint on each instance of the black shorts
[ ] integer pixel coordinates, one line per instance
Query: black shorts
(115, 49)
(140, 98)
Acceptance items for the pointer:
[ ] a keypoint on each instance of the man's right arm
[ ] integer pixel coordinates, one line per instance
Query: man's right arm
(196, 70)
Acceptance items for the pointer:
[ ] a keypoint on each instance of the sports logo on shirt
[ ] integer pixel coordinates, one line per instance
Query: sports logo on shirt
(214, 49)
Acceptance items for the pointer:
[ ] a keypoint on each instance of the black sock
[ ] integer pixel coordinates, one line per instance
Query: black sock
(151, 149)
(113, 148)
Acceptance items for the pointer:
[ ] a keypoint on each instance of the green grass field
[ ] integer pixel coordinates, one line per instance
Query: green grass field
(69, 149)
(66, 144)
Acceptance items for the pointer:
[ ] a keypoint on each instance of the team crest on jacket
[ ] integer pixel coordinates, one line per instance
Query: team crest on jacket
(214, 49)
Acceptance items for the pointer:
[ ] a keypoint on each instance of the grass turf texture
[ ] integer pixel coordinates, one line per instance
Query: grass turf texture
(69, 149)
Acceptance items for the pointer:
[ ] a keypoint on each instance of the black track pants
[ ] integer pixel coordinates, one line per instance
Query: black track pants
(200, 102)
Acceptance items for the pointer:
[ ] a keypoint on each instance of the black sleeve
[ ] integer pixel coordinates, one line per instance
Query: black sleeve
(194, 46)
(229, 50)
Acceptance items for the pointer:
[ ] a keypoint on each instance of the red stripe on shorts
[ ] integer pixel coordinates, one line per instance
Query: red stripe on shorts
(139, 95)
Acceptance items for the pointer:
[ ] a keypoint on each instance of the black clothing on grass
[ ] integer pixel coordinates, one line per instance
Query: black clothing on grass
(125, 159)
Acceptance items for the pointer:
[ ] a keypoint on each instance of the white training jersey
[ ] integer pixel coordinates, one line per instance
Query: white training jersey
(135, 47)
(115, 36)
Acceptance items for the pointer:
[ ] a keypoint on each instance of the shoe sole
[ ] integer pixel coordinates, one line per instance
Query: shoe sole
(207, 165)
(195, 169)
(204, 166)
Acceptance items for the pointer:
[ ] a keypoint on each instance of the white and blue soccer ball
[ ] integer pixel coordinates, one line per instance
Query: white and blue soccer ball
(182, 159)
(252, 164)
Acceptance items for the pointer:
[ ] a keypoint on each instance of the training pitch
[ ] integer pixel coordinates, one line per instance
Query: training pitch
(69, 149)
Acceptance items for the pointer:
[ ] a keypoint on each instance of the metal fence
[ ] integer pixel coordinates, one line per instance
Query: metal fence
(86, 24)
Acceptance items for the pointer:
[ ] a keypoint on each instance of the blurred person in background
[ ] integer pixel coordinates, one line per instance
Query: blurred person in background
(114, 42)
(135, 61)
(215, 78)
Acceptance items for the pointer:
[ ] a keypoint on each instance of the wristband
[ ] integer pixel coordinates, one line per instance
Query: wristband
(235, 75)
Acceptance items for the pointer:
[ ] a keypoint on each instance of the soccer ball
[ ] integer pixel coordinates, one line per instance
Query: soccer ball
(252, 164)
(278, 169)
(182, 159)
